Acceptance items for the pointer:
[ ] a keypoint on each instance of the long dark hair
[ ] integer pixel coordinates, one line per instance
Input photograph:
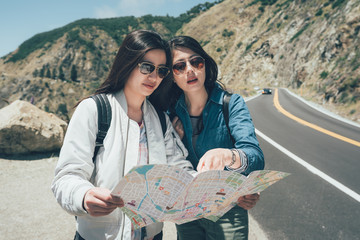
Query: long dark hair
(170, 94)
(132, 50)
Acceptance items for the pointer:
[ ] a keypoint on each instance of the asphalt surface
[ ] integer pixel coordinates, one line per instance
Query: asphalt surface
(305, 205)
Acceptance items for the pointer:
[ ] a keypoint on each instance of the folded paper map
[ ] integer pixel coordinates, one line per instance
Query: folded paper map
(159, 193)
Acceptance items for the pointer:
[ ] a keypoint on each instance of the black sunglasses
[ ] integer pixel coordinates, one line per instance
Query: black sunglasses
(197, 62)
(147, 68)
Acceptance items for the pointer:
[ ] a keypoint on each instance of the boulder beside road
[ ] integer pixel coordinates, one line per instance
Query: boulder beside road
(24, 128)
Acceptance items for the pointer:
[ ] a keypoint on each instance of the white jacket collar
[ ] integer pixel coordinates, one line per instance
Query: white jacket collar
(121, 98)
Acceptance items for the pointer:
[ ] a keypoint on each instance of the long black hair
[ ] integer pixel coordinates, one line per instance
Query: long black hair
(132, 50)
(170, 94)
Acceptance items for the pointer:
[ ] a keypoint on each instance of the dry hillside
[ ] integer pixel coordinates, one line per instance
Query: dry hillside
(308, 46)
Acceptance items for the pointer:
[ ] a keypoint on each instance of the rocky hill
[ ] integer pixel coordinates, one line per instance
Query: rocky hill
(55, 69)
(308, 46)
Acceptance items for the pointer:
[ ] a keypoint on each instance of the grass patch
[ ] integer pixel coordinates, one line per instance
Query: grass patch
(299, 32)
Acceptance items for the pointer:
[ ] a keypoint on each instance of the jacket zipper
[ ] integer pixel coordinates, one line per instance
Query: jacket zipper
(123, 172)
(173, 134)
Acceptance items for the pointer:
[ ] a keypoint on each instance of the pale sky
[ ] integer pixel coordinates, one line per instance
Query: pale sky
(22, 19)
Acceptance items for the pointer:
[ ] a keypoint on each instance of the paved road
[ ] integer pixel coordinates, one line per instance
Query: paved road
(304, 205)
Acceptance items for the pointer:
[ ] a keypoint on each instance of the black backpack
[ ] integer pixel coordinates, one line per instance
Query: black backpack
(225, 109)
(104, 119)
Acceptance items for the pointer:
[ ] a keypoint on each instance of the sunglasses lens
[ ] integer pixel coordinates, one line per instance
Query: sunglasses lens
(179, 67)
(146, 68)
(197, 62)
(162, 72)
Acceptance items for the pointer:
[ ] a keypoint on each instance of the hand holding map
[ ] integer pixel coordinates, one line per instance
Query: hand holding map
(159, 193)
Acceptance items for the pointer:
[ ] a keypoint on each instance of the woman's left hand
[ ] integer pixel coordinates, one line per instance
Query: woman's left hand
(179, 128)
(247, 202)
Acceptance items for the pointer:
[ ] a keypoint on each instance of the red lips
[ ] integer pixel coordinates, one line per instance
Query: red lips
(192, 79)
(149, 85)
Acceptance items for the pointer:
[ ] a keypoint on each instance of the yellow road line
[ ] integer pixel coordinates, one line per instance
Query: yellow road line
(313, 126)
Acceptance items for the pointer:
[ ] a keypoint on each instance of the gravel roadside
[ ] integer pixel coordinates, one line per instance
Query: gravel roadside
(29, 210)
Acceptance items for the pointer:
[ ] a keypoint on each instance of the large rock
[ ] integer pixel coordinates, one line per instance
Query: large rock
(24, 128)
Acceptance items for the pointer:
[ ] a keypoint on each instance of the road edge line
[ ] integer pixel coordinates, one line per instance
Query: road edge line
(309, 124)
(322, 109)
(311, 168)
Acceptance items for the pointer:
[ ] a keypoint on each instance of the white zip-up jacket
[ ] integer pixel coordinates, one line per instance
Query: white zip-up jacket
(74, 171)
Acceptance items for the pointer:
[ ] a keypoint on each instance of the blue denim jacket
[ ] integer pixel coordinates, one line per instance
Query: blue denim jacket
(215, 133)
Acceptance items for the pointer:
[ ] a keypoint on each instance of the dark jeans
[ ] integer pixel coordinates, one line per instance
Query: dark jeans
(78, 237)
(233, 225)
(157, 237)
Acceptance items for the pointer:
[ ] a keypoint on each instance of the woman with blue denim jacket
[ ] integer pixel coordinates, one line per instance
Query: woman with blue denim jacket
(196, 100)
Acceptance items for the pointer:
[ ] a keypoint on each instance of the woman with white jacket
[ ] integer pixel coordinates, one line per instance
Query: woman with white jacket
(135, 137)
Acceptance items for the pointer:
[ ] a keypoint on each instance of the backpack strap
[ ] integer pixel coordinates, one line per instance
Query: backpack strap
(226, 100)
(161, 115)
(104, 119)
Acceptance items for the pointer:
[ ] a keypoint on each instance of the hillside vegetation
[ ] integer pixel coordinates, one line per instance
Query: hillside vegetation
(57, 68)
(308, 46)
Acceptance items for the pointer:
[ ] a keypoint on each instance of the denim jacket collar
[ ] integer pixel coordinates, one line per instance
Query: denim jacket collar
(216, 96)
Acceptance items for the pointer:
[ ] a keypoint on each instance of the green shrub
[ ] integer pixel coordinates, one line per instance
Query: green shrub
(343, 97)
(355, 62)
(61, 75)
(227, 33)
(351, 83)
(324, 74)
(62, 108)
(248, 47)
(263, 2)
(54, 74)
(337, 3)
(354, 99)
(35, 73)
(73, 74)
(203, 43)
(48, 74)
(319, 12)
(41, 54)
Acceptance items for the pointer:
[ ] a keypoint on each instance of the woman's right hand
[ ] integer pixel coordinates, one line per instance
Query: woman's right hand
(99, 202)
(247, 202)
(178, 126)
